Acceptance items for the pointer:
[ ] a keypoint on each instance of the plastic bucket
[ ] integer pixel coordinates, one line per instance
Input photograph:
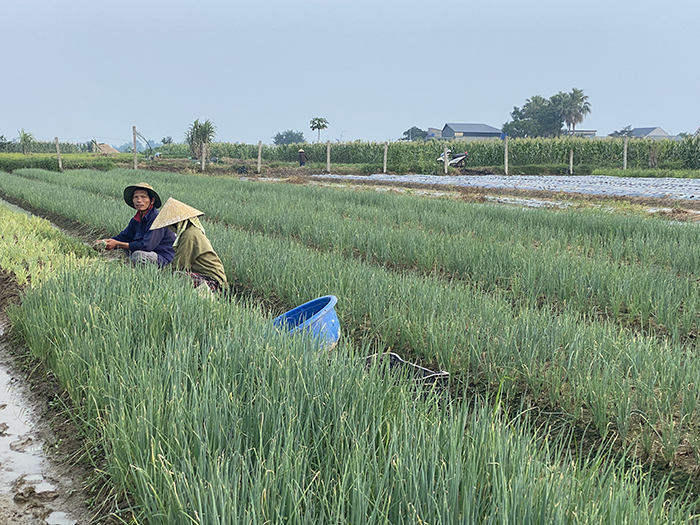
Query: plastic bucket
(317, 316)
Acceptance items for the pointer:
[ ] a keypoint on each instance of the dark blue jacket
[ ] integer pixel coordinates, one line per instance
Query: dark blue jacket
(140, 237)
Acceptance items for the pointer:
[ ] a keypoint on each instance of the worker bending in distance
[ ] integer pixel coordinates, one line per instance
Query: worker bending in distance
(194, 255)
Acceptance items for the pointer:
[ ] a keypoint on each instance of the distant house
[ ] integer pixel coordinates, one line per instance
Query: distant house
(585, 133)
(106, 149)
(650, 133)
(434, 133)
(470, 132)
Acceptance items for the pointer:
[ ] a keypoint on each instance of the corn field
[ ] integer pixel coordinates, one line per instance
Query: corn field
(419, 157)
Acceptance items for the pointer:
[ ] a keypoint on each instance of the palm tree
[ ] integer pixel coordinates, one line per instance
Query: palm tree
(535, 104)
(318, 123)
(581, 106)
(576, 106)
(561, 103)
(198, 135)
(25, 140)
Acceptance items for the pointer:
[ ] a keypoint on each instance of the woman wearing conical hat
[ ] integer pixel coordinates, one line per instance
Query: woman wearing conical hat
(194, 254)
(141, 242)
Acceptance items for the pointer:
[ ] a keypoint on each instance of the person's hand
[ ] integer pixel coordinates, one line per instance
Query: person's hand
(100, 245)
(111, 244)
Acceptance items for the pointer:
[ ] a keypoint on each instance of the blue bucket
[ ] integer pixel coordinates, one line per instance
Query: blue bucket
(317, 316)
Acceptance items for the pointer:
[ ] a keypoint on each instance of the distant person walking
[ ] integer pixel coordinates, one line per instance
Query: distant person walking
(302, 158)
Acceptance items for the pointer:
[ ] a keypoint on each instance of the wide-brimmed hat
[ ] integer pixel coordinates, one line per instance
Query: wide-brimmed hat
(173, 212)
(301, 151)
(129, 194)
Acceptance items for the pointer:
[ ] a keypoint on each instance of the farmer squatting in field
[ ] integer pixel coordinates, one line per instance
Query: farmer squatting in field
(144, 244)
(194, 255)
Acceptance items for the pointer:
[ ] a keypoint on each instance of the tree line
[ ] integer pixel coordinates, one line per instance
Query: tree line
(538, 117)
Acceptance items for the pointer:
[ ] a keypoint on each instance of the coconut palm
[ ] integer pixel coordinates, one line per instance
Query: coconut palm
(534, 104)
(575, 107)
(318, 123)
(25, 140)
(561, 103)
(198, 135)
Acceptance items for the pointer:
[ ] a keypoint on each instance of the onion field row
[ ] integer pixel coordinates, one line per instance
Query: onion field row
(623, 238)
(616, 378)
(648, 285)
(207, 415)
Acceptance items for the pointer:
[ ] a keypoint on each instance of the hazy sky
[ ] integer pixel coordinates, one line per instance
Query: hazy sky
(81, 69)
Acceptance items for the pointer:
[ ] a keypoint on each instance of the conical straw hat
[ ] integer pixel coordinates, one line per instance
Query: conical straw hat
(174, 211)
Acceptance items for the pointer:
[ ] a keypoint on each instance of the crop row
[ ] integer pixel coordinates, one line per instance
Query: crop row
(592, 370)
(481, 247)
(30, 244)
(623, 238)
(207, 415)
(14, 161)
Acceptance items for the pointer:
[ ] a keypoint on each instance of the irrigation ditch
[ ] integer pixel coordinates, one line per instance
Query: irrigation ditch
(40, 480)
(48, 473)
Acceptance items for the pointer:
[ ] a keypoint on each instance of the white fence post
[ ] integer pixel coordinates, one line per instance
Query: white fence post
(136, 162)
(571, 162)
(445, 160)
(505, 156)
(58, 152)
(386, 150)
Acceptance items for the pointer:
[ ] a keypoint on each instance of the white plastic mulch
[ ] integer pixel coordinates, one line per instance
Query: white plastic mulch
(687, 189)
